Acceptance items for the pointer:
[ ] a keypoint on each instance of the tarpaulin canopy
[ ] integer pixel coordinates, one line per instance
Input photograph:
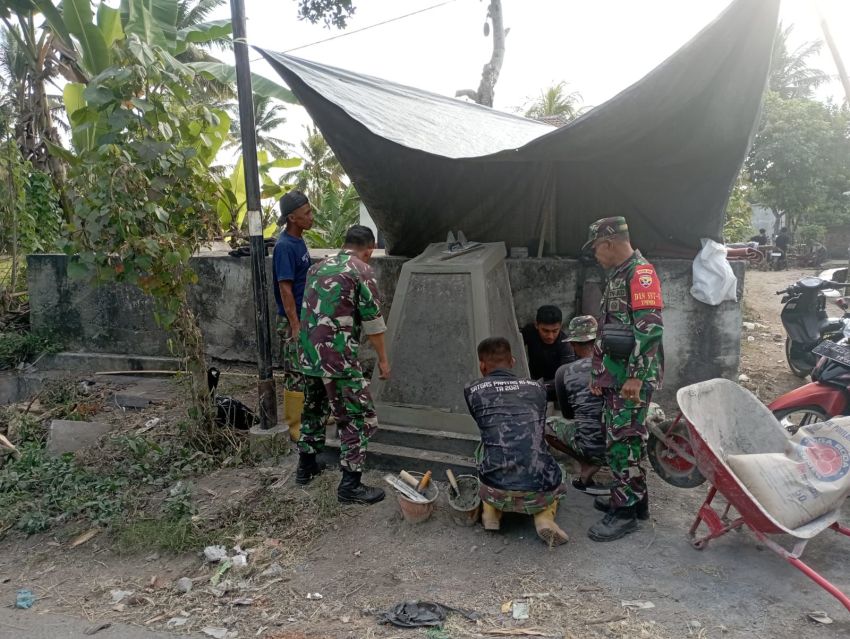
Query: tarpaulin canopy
(665, 152)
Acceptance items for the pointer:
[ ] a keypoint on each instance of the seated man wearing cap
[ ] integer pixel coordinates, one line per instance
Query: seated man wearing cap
(580, 433)
(516, 469)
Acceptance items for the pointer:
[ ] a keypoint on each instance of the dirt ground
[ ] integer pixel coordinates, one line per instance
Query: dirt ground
(367, 559)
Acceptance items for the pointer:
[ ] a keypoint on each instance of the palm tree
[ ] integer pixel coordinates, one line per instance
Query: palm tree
(191, 13)
(790, 73)
(320, 166)
(268, 116)
(555, 101)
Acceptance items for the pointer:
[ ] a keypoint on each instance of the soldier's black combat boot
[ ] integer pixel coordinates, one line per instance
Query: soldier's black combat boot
(615, 524)
(308, 468)
(641, 508)
(351, 491)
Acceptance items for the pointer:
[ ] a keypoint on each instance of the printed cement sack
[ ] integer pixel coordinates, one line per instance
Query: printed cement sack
(810, 479)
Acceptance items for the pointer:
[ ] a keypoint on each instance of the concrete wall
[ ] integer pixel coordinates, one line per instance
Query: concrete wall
(700, 341)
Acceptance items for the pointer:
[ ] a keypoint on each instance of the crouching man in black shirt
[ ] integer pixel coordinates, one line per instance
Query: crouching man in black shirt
(516, 469)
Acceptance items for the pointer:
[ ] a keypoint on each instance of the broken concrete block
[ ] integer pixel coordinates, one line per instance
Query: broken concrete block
(67, 436)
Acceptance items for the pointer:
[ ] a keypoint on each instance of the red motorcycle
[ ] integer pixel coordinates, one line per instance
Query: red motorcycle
(828, 395)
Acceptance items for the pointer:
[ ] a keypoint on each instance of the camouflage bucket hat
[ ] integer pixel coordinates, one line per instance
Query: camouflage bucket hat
(582, 329)
(605, 227)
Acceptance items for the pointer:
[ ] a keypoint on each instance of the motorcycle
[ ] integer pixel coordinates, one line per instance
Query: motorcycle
(827, 395)
(669, 447)
(806, 322)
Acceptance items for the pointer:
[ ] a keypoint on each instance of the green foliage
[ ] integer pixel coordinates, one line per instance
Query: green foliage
(334, 13)
(41, 223)
(333, 213)
(739, 214)
(143, 198)
(800, 160)
(143, 195)
(226, 74)
(811, 233)
(169, 535)
(30, 216)
(268, 117)
(23, 347)
(232, 205)
(555, 101)
(790, 73)
(320, 166)
(38, 491)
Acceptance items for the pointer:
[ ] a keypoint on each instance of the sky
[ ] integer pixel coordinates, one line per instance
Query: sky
(599, 48)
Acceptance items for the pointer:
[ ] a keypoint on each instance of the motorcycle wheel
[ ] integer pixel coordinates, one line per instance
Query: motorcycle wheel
(796, 362)
(795, 418)
(667, 463)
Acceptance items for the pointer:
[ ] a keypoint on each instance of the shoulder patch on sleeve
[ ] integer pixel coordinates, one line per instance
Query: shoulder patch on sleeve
(645, 288)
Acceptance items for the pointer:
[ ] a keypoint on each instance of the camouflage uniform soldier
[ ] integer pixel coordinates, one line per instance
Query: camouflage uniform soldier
(340, 301)
(580, 432)
(628, 365)
(516, 470)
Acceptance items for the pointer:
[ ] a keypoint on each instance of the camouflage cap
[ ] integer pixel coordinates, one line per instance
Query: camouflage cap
(582, 329)
(605, 227)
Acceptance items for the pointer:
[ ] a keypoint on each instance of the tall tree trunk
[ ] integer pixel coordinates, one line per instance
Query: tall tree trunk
(490, 74)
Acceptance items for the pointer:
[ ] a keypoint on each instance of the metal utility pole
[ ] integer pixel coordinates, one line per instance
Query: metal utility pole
(265, 383)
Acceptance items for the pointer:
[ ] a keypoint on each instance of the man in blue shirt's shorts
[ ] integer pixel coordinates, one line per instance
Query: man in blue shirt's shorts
(290, 265)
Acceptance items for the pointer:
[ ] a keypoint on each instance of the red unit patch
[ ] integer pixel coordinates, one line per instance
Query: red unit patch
(646, 288)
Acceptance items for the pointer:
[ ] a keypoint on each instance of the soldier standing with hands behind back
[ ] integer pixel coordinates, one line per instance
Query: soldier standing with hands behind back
(628, 365)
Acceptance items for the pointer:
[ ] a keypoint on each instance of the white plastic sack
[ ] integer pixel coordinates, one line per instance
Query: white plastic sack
(714, 281)
(810, 479)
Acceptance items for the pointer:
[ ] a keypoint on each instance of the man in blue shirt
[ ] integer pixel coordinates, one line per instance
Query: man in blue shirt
(290, 265)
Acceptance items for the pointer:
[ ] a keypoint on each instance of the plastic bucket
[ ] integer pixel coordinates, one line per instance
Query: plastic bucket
(415, 512)
(467, 505)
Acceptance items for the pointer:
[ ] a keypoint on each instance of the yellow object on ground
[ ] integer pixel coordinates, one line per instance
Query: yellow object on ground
(293, 404)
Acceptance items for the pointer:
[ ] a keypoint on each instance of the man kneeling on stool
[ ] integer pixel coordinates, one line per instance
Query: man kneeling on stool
(516, 469)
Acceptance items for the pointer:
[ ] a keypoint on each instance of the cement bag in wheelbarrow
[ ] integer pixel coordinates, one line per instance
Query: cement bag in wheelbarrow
(810, 479)
(714, 281)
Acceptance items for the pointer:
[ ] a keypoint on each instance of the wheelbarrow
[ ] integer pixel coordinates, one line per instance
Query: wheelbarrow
(743, 426)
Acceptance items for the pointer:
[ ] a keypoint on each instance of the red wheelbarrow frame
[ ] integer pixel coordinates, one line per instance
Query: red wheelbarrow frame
(750, 515)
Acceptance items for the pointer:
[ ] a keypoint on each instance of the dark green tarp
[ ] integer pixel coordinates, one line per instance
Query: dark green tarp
(665, 152)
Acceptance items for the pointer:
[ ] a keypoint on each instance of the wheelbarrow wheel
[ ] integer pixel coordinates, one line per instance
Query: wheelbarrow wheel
(669, 464)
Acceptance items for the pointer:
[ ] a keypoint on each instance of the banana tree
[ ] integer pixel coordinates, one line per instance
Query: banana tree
(232, 204)
(334, 211)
